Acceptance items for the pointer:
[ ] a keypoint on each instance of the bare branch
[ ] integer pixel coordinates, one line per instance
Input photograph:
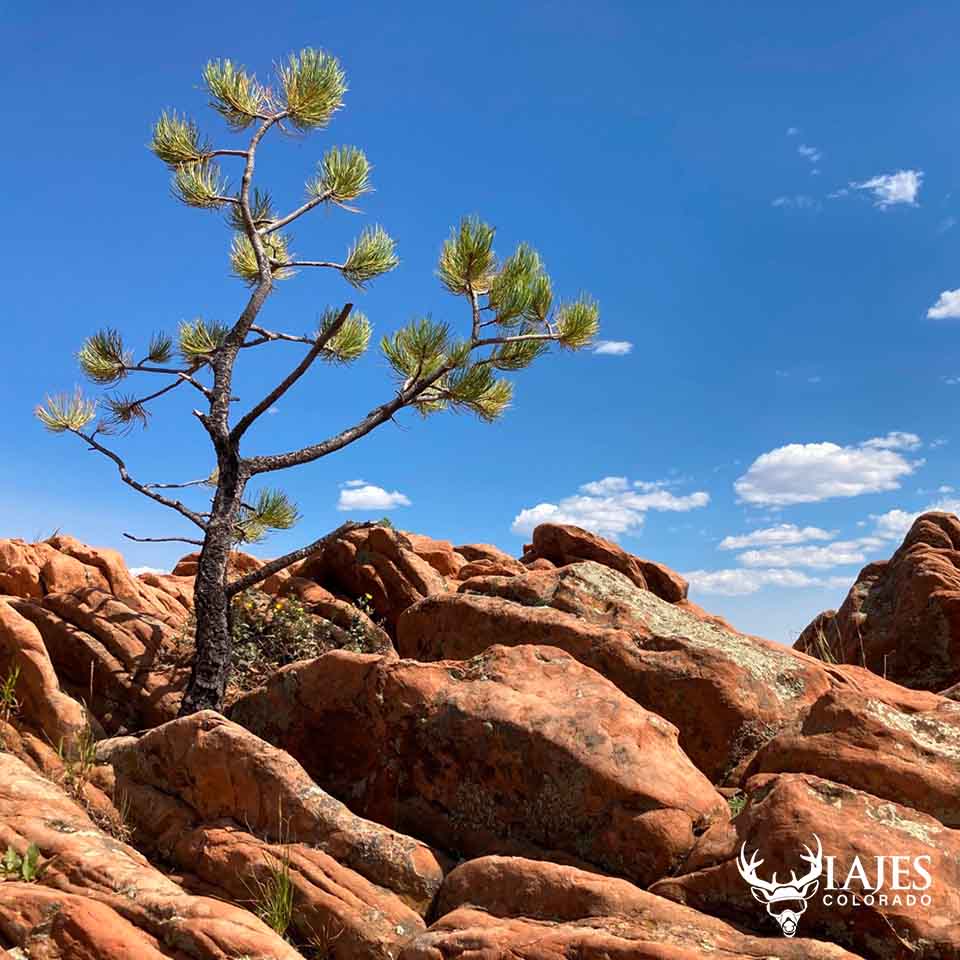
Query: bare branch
(196, 543)
(191, 515)
(299, 212)
(281, 563)
(298, 371)
(178, 486)
(267, 336)
(225, 153)
(309, 263)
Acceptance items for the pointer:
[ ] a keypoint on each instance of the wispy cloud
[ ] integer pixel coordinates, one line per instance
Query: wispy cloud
(948, 223)
(360, 495)
(792, 131)
(738, 582)
(796, 201)
(813, 154)
(610, 506)
(810, 472)
(612, 348)
(783, 534)
(893, 188)
(947, 306)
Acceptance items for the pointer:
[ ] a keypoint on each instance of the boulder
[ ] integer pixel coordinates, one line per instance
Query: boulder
(788, 820)
(440, 554)
(377, 563)
(741, 704)
(562, 544)
(99, 897)
(130, 667)
(217, 771)
(40, 700)
(520, 750)
(501, 904)
(901, 619)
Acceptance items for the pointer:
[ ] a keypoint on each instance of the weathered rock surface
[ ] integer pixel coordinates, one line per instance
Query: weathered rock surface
(784, 814)
(214, 770)
(508, 905)
(901, 619)
(380, 563)
(100, 897)
(562, 544)
(519, 750)
(768, 708)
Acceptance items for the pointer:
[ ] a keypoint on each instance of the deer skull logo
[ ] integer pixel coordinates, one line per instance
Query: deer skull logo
(792, 897)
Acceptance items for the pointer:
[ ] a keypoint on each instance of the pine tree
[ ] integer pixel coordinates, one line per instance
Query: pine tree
(511, 319)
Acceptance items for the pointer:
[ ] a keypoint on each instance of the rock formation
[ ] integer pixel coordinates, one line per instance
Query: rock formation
(551, 757)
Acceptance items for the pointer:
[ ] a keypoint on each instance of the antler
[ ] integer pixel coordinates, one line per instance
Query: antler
(816, 864)
(749, 870)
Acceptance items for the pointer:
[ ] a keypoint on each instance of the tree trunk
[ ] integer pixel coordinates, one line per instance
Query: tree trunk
(214, 645)
(212, 659)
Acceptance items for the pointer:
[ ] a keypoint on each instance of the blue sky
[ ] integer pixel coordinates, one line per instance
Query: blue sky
(763, 197)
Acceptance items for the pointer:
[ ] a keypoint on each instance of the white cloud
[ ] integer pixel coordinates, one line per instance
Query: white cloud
(947, 306)
(893, 188)
(836, 554)
(952, 382)
(948, 223)
(799, 201)
(813, 154)
(136, 571)
(895, 524)
(610, 507)
(273, 411)
(895, 440)
(608, 485)
(612, 348)
(359, 495)
(741, 582)
(783, 534)
(792, 131)
(810, 472)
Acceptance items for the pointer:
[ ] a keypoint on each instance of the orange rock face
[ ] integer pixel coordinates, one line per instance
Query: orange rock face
(783, 815)
(508, 906)
(519, 750)
(114, 901)
(901, 619)
(562, 544)
(548, 748)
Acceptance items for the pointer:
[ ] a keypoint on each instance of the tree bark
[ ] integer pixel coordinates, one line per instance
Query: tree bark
(213, 656)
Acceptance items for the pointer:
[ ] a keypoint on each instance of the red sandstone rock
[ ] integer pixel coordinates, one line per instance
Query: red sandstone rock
(901, 619)
(114, 900)
(562, 544)
(783, 815)
(519, 750)
(503, 904)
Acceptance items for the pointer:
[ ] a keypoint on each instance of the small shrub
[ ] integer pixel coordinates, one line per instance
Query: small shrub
(736, 803)
(359, 639)
(273, 897)
(25, 869)
(269, 633)
(9, 704)
(78, 762)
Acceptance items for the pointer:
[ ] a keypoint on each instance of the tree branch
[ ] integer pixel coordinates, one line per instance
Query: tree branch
(142, 488)
(196, 543)
(274, 566)
(298, 371)
(293, 215)
(309, 263)
(267, 336)
(178, 486)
